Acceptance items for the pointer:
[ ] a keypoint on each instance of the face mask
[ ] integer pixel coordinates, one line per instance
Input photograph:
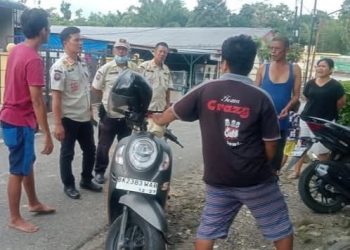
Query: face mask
(121, 59)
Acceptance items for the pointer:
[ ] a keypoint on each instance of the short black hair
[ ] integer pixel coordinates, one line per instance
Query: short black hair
(283, 40)
(239, 52)
(67, 32)
(327, 60)
(33, 21)
(164, 44)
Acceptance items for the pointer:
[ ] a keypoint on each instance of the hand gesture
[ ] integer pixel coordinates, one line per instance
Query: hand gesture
(283, 114)
(48, 147)
(59, 132)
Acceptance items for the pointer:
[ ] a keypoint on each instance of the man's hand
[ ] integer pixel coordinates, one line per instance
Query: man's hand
(92, 119)
(59, 132)
(283, 114)
(156, 118)
(101, 111)
(164, 118)
(48, 147)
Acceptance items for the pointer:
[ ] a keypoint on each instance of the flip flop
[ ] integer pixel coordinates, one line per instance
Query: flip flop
(45, 211)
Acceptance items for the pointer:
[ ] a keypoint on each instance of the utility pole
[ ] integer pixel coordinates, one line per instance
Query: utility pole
(300, 15)
(314, 16)
(318, 29)
(296, 25)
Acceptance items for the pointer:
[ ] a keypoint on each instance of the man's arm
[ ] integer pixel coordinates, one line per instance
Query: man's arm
(296, 92)
(36, 95)
(167, 98)
(164, 118)
(259, 75)
(97, 92)
(270, 149)
(57, 112)
(98, 83)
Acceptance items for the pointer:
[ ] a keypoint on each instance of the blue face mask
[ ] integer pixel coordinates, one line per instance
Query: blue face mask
(121, 59)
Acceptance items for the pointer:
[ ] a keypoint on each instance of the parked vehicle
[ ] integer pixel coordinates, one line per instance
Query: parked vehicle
(324, 186)
(140, 173)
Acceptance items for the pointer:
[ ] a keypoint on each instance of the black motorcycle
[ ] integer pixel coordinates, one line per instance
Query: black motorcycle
(140, 173)
(324, 186)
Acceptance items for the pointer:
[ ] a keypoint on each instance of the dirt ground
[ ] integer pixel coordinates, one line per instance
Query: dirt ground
(312, 231)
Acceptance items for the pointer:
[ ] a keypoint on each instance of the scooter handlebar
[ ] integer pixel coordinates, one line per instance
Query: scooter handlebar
(169, 135)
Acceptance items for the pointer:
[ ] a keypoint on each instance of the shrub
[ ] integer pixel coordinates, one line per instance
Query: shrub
(344, 114)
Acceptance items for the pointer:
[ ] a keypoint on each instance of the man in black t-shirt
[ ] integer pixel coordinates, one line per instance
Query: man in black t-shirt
(239, 132)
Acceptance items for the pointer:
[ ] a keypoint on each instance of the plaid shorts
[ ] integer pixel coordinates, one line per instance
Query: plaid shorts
(20, 142)
(265, 201)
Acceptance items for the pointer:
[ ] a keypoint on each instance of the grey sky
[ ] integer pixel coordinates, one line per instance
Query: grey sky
(234, 5)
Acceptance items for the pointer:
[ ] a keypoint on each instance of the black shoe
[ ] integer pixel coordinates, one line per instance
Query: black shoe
(99, 178)
(90, 185)
(71, 192)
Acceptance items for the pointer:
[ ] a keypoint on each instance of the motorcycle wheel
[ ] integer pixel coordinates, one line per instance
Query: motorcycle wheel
(314, 194)
(139, 235)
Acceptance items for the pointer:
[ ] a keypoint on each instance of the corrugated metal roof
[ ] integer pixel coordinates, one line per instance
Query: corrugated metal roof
(12, 5)
(178, 38)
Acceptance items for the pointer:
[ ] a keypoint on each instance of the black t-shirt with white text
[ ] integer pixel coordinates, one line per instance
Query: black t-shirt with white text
(236, 117)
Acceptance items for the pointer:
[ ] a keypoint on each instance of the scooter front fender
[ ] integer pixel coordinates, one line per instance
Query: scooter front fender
(148, 209)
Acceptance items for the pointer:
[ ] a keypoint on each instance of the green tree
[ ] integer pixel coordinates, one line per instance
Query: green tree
(258, 15)
(158, 13)
(127, 19)
(79, 18)
(331, 37)
(111, 19)
(65, 10)
(210, 13)
(344, 18)
(95, 19)
(55, 18)
(304, 29)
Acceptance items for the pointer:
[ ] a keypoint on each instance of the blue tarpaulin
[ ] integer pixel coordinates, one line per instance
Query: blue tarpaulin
(89, 45)
(54, 43)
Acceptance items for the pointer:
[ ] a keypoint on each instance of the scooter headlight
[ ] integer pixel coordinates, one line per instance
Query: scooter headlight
(142, 153)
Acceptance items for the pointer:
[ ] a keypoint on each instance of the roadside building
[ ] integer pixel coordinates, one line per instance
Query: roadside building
(194, 52)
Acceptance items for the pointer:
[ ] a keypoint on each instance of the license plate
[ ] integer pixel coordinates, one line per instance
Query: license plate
(299, 151)
(136, 185)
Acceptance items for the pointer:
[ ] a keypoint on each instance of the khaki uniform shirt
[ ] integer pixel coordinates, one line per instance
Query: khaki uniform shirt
(161, 81)
(72, 79)
(105, 79)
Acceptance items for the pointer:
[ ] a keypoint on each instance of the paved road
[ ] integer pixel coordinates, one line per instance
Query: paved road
(76, 222)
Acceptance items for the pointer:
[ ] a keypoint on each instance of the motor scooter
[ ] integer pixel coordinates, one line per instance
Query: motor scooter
(324, 186)
(140, 174)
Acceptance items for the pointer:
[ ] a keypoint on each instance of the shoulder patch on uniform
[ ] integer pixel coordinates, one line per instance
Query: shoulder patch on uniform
(57, 76)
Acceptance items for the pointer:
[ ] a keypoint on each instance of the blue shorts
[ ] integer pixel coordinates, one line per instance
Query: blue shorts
(265, 201)
(20, 142)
